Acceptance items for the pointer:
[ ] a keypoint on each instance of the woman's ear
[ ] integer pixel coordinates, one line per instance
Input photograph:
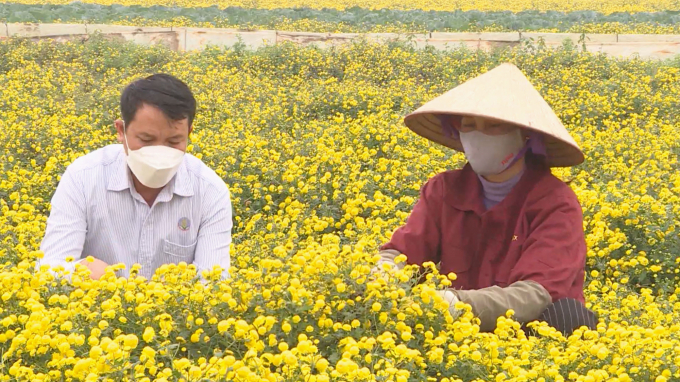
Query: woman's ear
(525, 133)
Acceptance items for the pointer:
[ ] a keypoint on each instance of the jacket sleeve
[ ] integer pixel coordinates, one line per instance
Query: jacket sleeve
(527, 299)
(554, 252)
(419, 238)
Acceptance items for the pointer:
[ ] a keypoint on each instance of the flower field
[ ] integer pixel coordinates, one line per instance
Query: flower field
(605, 6)
(660, 18)
(322, 170)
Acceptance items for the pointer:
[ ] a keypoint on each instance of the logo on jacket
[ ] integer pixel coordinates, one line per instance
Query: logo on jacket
(184, 224)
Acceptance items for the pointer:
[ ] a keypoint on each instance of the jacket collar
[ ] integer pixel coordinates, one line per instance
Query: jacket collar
(465, 193)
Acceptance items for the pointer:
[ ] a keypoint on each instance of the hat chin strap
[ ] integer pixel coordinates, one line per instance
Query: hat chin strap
(533, 143)
(520, 154)
(446, 122)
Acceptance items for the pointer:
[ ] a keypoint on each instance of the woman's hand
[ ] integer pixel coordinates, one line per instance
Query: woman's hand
(451, 298)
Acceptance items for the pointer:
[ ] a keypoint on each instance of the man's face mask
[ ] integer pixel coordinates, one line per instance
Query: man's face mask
(154, 166)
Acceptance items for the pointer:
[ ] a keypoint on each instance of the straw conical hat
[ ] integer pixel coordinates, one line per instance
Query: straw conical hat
(505, 94)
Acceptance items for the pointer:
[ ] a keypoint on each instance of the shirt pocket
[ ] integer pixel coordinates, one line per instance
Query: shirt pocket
(173, 253)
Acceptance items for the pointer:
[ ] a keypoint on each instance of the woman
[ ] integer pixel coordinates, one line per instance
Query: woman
(510, 230)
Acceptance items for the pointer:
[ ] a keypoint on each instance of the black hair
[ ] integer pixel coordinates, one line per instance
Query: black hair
(169, 94)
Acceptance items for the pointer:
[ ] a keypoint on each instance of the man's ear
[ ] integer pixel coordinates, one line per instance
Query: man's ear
(120, 130)
(191, 129)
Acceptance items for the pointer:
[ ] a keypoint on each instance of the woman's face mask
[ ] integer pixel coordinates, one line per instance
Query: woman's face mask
(490, 147)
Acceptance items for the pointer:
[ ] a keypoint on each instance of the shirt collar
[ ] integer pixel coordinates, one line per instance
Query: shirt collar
(121, 179)
(182, 180)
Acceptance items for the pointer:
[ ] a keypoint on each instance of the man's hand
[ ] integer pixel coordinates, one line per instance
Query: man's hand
(97, 268)
(451, 298)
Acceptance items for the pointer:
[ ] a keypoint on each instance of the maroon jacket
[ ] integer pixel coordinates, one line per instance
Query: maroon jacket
(535, 233)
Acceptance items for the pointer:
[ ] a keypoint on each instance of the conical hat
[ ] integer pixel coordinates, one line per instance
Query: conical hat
(504, 94)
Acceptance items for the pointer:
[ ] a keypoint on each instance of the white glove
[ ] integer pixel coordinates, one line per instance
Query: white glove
(379, 272)
(451, 298)
(386, 257)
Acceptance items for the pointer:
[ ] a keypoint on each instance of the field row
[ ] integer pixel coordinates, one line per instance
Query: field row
(604, 6)
(352, 20)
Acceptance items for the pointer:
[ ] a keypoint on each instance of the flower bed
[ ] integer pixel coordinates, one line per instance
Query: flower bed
(321, 171)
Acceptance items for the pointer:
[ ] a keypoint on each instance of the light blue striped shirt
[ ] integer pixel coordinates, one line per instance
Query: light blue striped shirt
(97, 212)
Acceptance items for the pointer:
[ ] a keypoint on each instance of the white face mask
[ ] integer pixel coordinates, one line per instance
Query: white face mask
(153, 166)
(491, 154)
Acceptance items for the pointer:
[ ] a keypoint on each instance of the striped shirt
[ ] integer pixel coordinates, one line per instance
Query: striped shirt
(97, 212)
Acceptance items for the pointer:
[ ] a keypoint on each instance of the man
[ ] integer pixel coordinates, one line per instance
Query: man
(145, 200)
(510, 230)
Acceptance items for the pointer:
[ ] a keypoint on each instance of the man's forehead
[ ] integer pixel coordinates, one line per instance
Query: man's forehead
(143, 130)
(155, 125)
(150, 113)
